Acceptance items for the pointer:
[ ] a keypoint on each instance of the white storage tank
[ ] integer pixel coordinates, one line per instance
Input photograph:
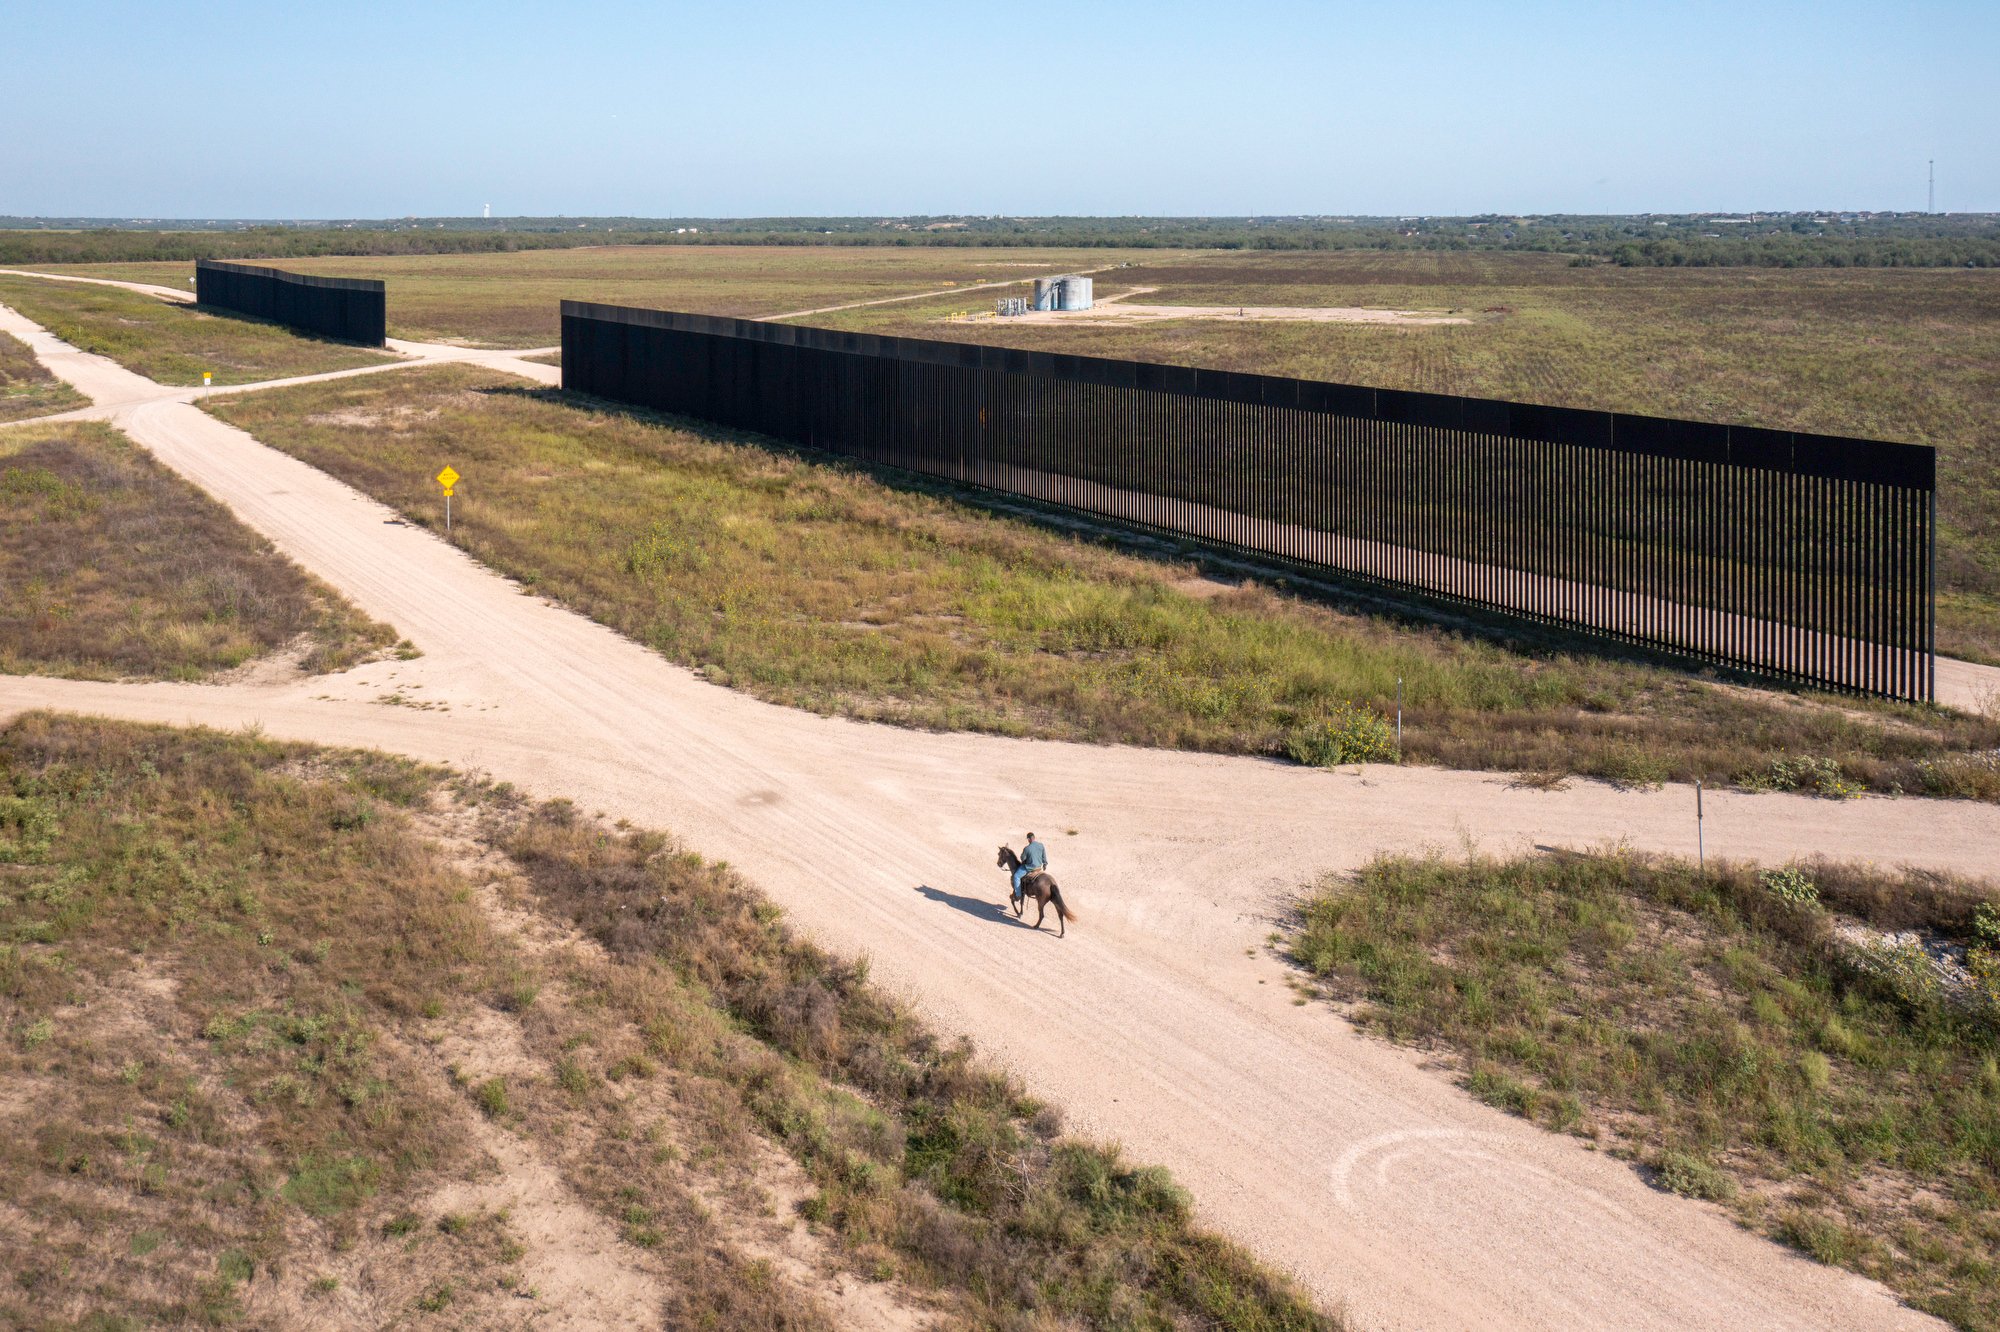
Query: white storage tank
(1076, 293)
(1046, 290)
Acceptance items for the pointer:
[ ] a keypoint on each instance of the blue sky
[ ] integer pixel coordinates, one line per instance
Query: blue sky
(1260, 106)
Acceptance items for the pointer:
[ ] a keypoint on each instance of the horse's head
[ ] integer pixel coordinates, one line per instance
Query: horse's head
(1006, 854)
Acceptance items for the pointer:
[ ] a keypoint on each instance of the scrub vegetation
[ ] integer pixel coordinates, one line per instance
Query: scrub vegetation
(823, 585)
(290, 1035)
(174, 344)
(1894, 354)
(111, 566)
(27, 388)
(1779, 1042)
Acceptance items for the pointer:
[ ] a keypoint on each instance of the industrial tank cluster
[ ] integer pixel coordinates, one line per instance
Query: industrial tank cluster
(1068, 292)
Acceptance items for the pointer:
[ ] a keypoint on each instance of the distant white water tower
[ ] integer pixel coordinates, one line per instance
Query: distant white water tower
(1069, 292)
(488, 212)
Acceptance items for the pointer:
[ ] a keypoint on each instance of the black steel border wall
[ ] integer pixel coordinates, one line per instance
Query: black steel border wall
(1809, 558)
(351, 309)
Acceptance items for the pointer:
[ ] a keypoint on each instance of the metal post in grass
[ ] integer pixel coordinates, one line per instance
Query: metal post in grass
(1399, 719)
(1700, 846)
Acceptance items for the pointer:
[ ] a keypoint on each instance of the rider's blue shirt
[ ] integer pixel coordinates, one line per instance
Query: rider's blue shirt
(1034, 857)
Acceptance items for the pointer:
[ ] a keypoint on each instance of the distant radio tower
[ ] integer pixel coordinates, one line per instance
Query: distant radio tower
(488, 212)
(1930, 199)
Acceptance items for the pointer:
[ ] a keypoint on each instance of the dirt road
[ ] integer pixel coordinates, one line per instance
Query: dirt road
(1158, 1021)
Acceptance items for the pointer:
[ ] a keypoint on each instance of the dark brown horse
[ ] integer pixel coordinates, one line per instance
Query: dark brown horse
(1038, 885)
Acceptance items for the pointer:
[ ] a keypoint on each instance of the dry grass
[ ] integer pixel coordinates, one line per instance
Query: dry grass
(111, 566)
(1715, 1027)
(288, 1034)
(1896, 354)
(511, 300)
(174, 344)
(1900, 354)
(27, 388)
(825, 586)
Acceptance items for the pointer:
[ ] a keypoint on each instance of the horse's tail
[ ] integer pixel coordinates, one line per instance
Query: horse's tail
(1055, 896)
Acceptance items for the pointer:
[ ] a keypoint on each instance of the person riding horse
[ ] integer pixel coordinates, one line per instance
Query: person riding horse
(1034, 857)
(1031, 879)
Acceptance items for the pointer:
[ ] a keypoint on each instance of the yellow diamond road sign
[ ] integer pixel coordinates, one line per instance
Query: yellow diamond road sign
(447, 478)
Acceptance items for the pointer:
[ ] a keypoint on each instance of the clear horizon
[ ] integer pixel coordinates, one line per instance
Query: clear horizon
(1443, 108)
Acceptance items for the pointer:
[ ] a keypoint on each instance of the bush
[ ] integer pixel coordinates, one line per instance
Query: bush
(1692, 1177)
(1986, 925)
(1791, 885)
(1350, 734)
(1810, 776)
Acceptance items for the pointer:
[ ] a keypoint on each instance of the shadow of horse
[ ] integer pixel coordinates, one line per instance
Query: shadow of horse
(996, 912)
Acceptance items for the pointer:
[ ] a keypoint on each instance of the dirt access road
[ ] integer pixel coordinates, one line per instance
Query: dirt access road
(1159, 1021)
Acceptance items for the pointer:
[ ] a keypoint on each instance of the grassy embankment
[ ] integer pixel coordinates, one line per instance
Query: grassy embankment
(820, 585)
(291, 1034)
(174, 344)
(27, 388)
(1714, 1026)
(512, 300)
(1897, 354)
(113, 566)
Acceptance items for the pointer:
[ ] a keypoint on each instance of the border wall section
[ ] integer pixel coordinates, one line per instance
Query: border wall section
(1807, 558)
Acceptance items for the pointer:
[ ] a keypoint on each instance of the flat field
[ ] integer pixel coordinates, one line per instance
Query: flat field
(511, 300)
(113, 567)
(27, 388)
(1899, 354)
(298, 1037)
(817, 584)
(174, 344)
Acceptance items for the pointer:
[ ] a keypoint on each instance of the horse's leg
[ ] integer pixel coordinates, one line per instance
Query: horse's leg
(1041, 909)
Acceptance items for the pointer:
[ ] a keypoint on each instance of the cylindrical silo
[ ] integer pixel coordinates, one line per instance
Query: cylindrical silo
(1045, 292)
(1076, 293)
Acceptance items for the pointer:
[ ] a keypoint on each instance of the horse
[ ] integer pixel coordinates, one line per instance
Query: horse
(1038, 885)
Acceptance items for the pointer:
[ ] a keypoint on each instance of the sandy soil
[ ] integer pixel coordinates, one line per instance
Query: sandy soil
(1110, 310)
(1160, 1021)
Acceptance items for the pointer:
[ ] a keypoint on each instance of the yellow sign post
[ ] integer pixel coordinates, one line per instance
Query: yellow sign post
(205, 375)
(447, 478)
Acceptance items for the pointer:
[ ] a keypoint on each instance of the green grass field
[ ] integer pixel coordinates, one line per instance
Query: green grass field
(820, 585)
(1713, 1026)
(27, 389)
(294, 1037)
(174, 344)
(112, 567)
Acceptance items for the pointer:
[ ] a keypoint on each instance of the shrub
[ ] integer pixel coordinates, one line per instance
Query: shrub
(492, 1098)
(1791, 885)
(1351, 734)
(1811, 776)
(1986, 925)
(1692, 1177)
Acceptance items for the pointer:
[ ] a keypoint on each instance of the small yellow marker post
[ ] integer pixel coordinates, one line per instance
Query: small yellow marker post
(447, 478)
(205, 376)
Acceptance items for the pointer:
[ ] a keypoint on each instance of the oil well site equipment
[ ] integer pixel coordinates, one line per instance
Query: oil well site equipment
(1069, 292)
(1804, 558)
